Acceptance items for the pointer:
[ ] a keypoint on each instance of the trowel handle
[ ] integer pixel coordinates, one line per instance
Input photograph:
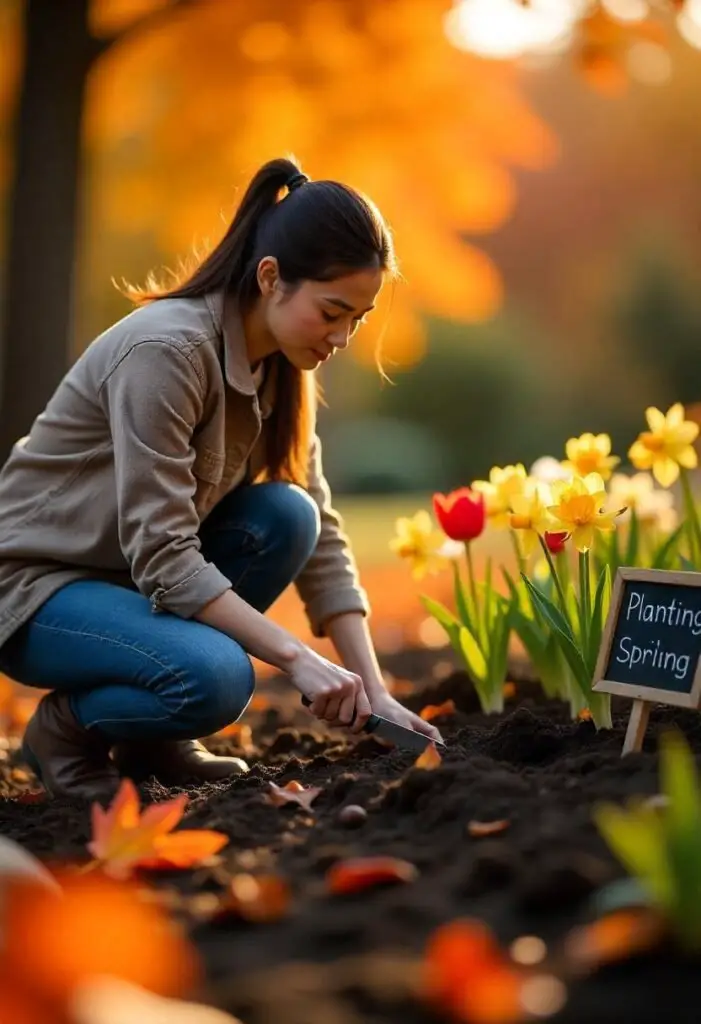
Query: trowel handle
(371, 724)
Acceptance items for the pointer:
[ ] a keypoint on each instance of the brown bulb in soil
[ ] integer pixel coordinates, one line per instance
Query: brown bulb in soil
(352, 816)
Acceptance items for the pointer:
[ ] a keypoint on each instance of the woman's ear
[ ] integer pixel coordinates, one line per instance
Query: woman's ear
(268, 275)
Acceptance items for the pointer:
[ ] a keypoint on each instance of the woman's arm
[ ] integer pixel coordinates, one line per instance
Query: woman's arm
(337, 694)
(350, 635)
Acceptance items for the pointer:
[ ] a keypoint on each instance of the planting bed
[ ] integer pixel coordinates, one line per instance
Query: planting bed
(351, 959)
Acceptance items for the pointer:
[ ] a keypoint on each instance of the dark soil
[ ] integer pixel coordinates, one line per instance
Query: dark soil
(346, 960)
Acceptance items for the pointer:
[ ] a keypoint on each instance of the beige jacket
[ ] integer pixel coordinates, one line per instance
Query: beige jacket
(152, 426)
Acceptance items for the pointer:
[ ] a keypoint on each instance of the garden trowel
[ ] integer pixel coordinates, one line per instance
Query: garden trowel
(400, 736)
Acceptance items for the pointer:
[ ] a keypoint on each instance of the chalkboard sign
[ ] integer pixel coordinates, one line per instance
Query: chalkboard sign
(651, 647)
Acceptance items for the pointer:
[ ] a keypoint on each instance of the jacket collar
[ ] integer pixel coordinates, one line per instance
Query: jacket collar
(229, 326)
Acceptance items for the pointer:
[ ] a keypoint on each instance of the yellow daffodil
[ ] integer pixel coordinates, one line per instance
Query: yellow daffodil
(652, 505)
(529, 516)
(578, 508)
(421, 543)
(590, 453)
(504, 484)
(667, 445)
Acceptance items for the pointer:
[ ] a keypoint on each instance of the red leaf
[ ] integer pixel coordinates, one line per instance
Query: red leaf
(355, 875)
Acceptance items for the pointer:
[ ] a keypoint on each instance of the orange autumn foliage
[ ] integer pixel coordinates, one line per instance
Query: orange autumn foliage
(354, 89)
(97, 926)
(432, 711)
(124, 838)
(466, 974)
(429, 759)
(358, 874)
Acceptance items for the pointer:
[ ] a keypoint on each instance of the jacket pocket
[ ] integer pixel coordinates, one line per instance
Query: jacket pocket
(208, 470)
(208, 466)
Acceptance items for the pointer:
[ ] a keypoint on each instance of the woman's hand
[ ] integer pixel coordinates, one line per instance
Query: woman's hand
(386, 706)
(337, 696)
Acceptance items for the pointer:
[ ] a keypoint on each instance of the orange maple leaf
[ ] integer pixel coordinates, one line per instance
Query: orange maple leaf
(125, 838)
(293, 793)
(430, 758)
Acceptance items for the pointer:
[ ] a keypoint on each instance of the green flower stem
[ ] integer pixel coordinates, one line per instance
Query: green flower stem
(692, 518)
(555, 577)
(471, 580)
(520, 560)
(562, 561)
(584, 601)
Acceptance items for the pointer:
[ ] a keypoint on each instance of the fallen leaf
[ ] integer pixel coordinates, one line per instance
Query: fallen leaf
(466, 974)
(487, 828)
(357, 874)
(429, 759)
(124, 838)
(106, 1000)
(616, 936)
(434, 710)
(293, 793)
(98, 926)
(258, 898)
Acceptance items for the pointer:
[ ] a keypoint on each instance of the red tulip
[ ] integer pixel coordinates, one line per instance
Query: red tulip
(461, 513)
(556, 541)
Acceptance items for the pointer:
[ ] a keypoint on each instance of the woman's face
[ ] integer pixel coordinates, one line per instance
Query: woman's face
(319, 318)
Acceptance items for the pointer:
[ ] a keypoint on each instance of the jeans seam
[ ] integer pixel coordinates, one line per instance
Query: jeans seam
(133, 647)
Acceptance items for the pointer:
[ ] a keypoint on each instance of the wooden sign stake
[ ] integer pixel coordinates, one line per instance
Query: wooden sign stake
(637, 724)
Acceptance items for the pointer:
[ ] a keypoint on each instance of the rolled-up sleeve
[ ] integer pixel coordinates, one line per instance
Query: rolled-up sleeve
(328, 585)
(154, 399)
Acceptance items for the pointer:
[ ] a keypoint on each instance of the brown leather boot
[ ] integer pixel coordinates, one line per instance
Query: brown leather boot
(68, 759)
(174, 761)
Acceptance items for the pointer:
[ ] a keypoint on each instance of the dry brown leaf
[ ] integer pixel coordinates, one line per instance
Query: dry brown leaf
(478, 829)
(429, 759)
(434, 710)
(293, 793)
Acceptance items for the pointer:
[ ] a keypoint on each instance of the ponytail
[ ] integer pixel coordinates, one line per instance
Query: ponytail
(321, 231)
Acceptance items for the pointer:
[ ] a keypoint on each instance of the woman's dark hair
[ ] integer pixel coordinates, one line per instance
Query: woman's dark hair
(318, 230)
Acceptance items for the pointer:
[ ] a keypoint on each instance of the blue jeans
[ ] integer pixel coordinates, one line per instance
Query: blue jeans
(138, 675)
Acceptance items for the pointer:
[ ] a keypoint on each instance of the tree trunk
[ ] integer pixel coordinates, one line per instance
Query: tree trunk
(43, 214)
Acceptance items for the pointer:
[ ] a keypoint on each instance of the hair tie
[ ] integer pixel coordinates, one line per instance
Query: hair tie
(296, 180)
